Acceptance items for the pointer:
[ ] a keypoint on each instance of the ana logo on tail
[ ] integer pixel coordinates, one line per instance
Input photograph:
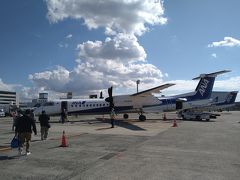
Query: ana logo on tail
(203, 86)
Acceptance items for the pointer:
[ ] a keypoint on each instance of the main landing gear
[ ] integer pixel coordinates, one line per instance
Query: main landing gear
(141, 117)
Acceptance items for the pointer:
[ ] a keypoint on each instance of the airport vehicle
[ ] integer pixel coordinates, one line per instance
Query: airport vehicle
(142, 102)
(2, 113)
(204, 112)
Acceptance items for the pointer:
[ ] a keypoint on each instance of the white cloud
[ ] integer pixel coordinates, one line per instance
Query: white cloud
(52, 80)
(119, 60)
(214, 55)
(63, 45)
(122, 47)
(5, 87)
(227, 42)
(127, 16)
(69, 36)
(86, 77)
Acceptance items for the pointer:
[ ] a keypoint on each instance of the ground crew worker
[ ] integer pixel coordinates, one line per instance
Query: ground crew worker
(63, 116)
(44, 123)
(112, 117)
(24, 126)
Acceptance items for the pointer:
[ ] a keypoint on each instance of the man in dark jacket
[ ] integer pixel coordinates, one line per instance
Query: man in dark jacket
(44, 123)
(24, 126)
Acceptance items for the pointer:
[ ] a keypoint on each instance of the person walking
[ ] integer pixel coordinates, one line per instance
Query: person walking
(112, 117)
(14, 116)
(44, 123)
(32, 115)
(63, 116)
(24, 127)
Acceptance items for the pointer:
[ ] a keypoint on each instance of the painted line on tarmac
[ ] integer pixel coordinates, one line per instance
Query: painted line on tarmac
(5, 149)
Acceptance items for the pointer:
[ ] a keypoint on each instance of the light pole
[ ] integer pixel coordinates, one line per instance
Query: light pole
(137, 82)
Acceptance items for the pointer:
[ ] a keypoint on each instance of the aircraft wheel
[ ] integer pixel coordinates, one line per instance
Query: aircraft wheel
(125, 116)
(142, 117)
(198, 118)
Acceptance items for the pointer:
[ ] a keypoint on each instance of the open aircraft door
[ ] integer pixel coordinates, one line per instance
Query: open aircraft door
(64, 105)
(179, 104)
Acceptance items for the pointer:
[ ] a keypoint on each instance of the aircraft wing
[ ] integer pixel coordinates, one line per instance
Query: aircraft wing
(153, 90)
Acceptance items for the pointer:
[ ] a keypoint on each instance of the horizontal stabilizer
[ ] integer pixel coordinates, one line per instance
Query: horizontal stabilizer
(211, 74)
(153, 90)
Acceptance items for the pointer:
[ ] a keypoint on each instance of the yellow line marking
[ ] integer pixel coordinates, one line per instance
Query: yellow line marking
(5, 149)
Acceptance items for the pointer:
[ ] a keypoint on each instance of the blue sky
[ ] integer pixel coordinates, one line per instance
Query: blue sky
(86, 46)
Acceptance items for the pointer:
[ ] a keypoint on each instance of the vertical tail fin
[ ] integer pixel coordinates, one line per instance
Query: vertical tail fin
(205, 85)
(204, 88)
(231, 97)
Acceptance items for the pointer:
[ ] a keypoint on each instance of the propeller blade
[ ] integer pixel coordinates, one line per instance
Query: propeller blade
(110, 98)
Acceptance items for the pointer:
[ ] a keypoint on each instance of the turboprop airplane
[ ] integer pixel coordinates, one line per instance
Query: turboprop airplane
(204, 112)
(226, 102)
(141, 102)
(96, 106)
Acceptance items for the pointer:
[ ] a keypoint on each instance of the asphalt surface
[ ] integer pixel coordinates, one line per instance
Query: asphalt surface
(132, 150)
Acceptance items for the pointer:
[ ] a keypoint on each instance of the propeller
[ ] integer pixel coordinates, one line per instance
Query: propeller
(110, 98)
(101, 96)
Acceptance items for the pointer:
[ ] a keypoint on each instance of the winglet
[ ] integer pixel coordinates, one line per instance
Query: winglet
(153, 90)
(211, 74)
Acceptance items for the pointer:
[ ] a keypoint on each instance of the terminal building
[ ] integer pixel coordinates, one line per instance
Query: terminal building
(43, 97)
(8, 98)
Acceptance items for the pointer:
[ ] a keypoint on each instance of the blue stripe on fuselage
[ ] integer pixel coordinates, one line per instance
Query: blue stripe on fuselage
(102, 110)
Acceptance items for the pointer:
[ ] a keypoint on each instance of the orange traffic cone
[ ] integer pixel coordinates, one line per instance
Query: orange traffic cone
(164, 117)
(64, 141)
(174, 123)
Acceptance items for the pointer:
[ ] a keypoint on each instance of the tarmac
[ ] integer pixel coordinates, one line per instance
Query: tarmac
(152, 149)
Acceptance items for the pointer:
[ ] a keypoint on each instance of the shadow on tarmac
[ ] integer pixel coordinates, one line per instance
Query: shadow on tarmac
(121, 123)
(4, 158)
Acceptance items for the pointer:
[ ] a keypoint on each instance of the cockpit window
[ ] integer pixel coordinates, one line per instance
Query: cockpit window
(48, 104)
